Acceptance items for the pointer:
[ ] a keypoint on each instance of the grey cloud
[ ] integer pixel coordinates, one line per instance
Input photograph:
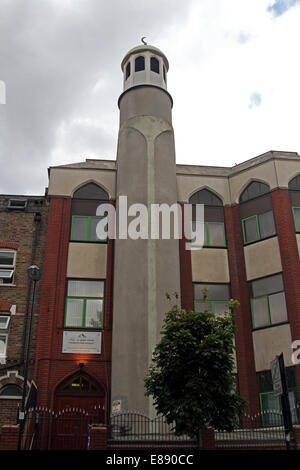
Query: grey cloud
(51, 57)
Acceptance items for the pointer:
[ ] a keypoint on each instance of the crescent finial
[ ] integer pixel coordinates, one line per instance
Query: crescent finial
(143, 41)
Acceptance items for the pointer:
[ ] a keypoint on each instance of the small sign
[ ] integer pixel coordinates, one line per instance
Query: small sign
(82, 342)
(116, 407)
(276, 377)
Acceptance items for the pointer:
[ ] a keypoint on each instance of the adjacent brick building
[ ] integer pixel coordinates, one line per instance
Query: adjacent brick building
(23, 229)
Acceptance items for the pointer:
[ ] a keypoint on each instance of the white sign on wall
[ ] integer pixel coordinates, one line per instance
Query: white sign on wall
(82, 342)
(116, 407)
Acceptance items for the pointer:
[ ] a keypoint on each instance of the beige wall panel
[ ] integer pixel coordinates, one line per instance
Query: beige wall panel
(298, 242)
(64, 181)
(271, 342)
(286, 170)
(262, 258)
(87, 260)
(265, 172)
(210, 265)
(187, 185)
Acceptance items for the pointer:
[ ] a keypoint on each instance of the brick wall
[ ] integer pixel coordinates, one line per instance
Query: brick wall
(208, 439)
(290, 261)
(20, 232)
(239, 291)
(9, 437)
(98, 438)
(9, 410)
(186, 280)
(52, 366)
(52, 295)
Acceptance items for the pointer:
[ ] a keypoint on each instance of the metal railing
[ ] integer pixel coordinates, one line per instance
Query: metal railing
(66, 429)
(134, 430)
(264, 430)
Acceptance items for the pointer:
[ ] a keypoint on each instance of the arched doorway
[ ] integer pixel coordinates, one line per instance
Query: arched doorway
(79, 402)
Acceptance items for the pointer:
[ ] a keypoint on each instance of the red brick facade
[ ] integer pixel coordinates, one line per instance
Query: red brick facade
(9, 437)
(52, 304)
(290, 261)
(52, 365)
(186, 281)
(239, 291)
(23, 232)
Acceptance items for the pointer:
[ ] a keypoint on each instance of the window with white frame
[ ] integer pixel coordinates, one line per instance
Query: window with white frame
(7, 266)
(4, 321)
(3, 346)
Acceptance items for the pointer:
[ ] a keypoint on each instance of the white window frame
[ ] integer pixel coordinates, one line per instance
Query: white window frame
(8, 269)
(4, 355)
(7, 316)
(10, 397)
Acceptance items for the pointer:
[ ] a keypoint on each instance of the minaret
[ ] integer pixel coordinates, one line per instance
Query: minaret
(144, 268)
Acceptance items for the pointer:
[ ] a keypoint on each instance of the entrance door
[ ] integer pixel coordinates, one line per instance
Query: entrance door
(79, 403)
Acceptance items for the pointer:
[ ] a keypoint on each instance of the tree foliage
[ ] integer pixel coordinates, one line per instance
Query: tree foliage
(191, 375)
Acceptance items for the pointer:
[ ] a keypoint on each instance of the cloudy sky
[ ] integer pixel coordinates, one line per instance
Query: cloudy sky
(234, 78)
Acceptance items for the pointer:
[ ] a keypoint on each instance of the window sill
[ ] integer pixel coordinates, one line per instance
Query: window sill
(82, 328)
(270, 326)
(260, 240)
(224, 247)
(10, 398)
(90, 241)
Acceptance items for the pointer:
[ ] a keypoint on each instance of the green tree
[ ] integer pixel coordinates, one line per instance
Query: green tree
(191, 375)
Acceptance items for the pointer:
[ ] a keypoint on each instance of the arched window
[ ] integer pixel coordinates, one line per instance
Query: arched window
(204, 196)
(154, 64)
(256, 212)
(81, 384)
(128, 70)
(85, 202)
(139, 63)
(294, 184)
(11, 390)
(214, 228)
(90, 191)
(253, 190)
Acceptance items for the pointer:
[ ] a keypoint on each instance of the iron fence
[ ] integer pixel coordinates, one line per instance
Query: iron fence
(264, 430)
(134, 430)
(69, 429)
(66, 429)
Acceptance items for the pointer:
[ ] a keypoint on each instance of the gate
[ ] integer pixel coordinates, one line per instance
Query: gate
(63, 430)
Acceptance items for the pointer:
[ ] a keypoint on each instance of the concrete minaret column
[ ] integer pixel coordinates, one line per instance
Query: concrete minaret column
(144, 268)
